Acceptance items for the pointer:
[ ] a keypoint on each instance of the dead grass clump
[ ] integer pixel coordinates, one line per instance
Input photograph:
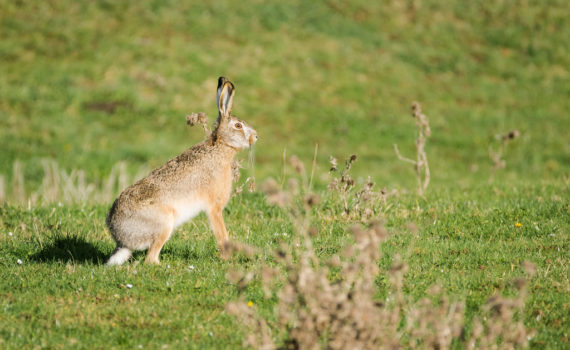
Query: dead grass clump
(421, 163)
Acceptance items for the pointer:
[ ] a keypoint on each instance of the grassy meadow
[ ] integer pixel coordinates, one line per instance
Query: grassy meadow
(94, 94)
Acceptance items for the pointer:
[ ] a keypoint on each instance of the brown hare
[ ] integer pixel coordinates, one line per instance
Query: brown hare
(200, 179)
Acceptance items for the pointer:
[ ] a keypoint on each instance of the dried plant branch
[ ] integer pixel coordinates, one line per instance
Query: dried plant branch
(400, 157)
(497, 156)
(421, 163)
(199, 118)
(314, 167)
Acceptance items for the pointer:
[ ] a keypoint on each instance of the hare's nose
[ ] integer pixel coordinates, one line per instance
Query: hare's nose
(252, 139)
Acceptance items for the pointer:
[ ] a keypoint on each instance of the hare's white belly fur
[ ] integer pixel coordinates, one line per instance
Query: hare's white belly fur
(186, 210)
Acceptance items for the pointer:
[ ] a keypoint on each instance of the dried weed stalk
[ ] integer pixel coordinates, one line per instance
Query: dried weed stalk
(343, 184)
(333, 303)
(357, 203)
(421, 163)
(199, 118)
(497, 156)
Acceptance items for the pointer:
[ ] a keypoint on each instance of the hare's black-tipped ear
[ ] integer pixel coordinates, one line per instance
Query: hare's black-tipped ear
(225, 97)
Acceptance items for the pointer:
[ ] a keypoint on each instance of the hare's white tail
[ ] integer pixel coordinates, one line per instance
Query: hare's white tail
(120, 255)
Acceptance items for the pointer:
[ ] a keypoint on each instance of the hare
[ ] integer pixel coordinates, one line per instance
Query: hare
(200, 179)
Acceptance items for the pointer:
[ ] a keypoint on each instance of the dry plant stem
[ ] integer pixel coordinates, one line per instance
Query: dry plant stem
(421, 163)
(283, 167)
(313, 168)
(199, 118)
(18, 190)
(2, 190)
(356, 204)
(497, 157)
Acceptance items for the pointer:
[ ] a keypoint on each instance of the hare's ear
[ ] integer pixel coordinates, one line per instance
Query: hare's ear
(225, 97)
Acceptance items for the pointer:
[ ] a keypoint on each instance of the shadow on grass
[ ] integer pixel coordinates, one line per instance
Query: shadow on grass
(70, 249)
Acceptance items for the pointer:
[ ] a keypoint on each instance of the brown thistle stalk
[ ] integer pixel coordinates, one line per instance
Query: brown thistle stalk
(421, 163)
(497, 157)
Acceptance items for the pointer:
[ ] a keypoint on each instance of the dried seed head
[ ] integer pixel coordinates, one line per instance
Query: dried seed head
(236, 166)
(297, 164)
(529, 267)
(519, 283)
(333, 185)
(252, 185)
(333, 162)
(269, 186)
(198, 118)
(280, 199)
(378, 230)
(313, 231)
(511, 135)
(334, 261)
(416, 109)
(293, 186)
(312, 200)
(349, 161)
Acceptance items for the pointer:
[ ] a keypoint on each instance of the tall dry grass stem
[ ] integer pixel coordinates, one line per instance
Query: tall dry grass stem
(60, 186)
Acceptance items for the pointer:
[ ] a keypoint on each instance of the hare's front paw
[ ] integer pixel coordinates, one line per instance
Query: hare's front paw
(152, 259)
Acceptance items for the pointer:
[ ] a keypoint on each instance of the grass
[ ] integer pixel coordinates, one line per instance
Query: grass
(62, 295)
(92, 84)
(87, 85)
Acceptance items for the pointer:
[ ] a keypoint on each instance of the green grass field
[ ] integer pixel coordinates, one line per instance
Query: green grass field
(88, 85)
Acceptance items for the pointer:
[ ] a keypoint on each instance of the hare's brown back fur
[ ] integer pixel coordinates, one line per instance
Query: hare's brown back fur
(176, 181)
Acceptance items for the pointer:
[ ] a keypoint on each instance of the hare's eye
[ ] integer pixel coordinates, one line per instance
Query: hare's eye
(238, 126)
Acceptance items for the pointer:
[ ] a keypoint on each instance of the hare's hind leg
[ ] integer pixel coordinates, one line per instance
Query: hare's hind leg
(119, 256)
(161, 238)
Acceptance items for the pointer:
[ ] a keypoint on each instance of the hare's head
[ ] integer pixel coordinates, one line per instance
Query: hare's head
(229, 129)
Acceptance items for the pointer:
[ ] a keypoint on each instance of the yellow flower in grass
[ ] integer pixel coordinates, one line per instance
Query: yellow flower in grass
(250, 303)
(518, 224)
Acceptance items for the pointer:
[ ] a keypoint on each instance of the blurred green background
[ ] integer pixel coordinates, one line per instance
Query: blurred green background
(92, 83)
